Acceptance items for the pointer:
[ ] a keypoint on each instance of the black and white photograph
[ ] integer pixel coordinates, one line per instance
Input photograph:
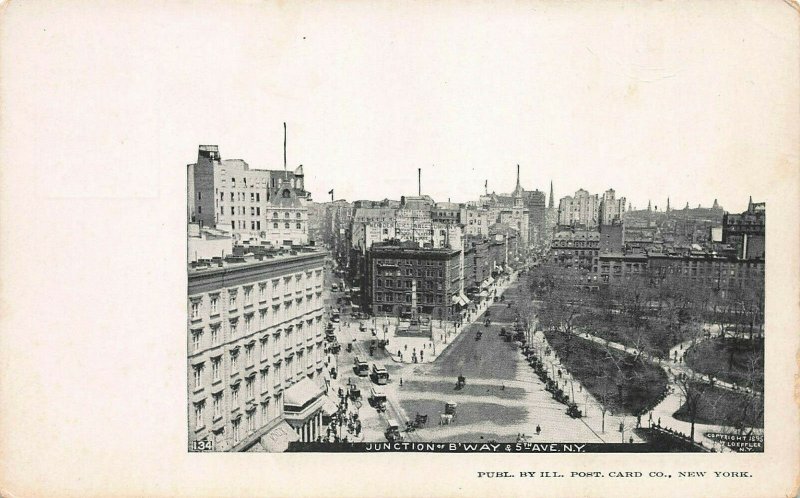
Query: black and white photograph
(429, 248)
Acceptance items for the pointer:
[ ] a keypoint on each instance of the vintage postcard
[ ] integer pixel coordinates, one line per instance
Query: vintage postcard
(401, 249)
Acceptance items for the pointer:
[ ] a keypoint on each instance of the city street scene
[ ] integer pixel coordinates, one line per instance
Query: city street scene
(520, 318)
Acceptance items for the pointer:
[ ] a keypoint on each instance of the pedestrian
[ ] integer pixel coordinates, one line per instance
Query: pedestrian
(421, 356)
(406, 347)
(659, 421)
(630, 440)
(400, 354)
(538, 429)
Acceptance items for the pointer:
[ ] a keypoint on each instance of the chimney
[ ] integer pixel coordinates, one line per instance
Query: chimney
(419, 181)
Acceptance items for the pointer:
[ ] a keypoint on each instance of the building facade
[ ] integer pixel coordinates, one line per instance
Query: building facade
(582, 210)
(255, 349)
(746, 231)
(253, 204)
(397, 269)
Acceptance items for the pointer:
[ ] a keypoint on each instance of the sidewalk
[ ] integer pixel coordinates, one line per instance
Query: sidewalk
(591, 408)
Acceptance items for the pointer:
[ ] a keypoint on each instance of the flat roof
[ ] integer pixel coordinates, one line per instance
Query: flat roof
(207, 267)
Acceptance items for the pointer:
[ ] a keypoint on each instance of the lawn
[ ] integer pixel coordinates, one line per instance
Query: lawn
(730, 359)
(719, 406)
(623, 386)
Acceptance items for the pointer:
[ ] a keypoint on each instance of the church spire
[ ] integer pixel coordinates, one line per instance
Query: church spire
(550, 205)
(750, 204)
(668, 205)
(518, 188)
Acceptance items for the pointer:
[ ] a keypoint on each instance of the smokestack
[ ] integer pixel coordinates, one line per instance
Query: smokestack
(419, 181)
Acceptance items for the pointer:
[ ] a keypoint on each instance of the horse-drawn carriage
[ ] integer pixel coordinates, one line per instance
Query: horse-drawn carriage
(461, 382)
(353, 392)
(449, 415)
(418, 422)
(377, 399)
(393, 431)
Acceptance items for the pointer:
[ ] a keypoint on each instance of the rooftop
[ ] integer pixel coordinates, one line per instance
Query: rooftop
(251, 256)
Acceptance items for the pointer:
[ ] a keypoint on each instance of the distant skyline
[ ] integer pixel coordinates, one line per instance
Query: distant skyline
(681, 99)
(665, 99)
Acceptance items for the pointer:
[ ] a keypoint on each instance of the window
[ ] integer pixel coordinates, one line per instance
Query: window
(235, 396)
(199, 209)
(252, 225)
(274, 225)
(258, 197)
(233, 225)
(262, 291)
(252, 211)
(195, 310)
(258, 211)
(275, 214)
(198, 415)
(286, 225)
(198, 376)
(252, 197)
(236, 431)
(247, 296)
(233, 329)
(251, 422)
(264, 412)
(215, 335)
(264, 380)
(217, 405)
(232, 300)
(298, 216)
(264, 344)
(287, 216)
(258, 225)
(249, 388)
(214, 305)
(249, 354)
(299, 226)
(234, 362)
(215, 367)
(197, 337)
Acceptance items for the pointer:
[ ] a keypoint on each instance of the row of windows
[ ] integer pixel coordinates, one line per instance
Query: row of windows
(407, 284)
(240, 196)
(312, 278)
(282, 338)
(269, 376)
(401, 297)
(269, 411)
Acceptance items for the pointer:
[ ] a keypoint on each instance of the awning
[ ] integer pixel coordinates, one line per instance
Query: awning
(329, 408)
(455, 299)
(484, 294)
(277, 440)
(489, 280)
(301, 393)
(463, 297)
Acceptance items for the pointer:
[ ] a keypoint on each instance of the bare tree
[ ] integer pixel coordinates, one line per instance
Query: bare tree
(693, 392)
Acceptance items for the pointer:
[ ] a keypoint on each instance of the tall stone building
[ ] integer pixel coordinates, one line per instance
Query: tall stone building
(611, 208)
(254, 204)
(581, 210)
